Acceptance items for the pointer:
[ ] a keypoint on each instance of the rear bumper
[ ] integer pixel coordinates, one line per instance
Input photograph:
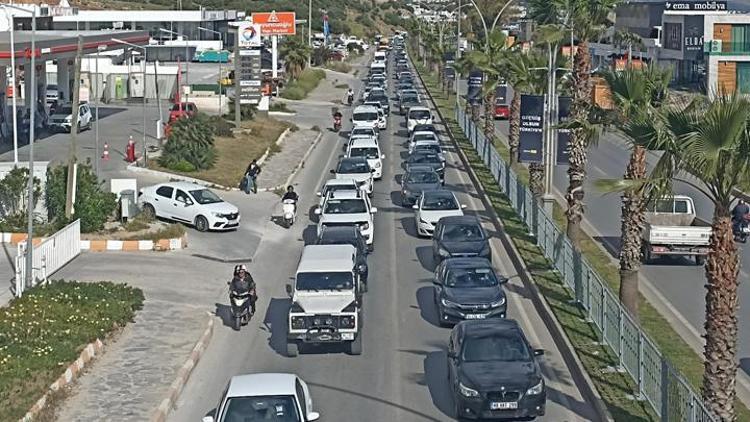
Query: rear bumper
(677, 250)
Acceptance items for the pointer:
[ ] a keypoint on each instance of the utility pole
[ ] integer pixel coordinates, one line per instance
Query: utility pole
(237, 106)
(74, 121)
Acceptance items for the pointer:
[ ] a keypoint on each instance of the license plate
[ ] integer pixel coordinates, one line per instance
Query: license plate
(475, 316)
(503, 405)
(347, 336)
(324, 337)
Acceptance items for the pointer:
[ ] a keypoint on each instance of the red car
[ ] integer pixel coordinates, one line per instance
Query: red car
(502, 108)
(181, 110)
(502, 111)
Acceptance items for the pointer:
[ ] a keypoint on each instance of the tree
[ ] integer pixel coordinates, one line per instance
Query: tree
(710, 141)
(463, 66)
(524, 77)
(190, 145)
(94, 206)
(635, 93)
(296, 53)
(14, 195)
(628, 40)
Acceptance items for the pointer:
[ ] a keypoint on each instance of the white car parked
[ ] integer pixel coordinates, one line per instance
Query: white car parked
(62, 119)
(370, 150)
(348, 207)
(432, 206)
(189, 203)
(260, 397)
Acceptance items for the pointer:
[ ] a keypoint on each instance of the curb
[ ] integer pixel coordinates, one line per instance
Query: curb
(282, 113)
(109, 245)
(299, 166)
(91, 351)
(183, 374)
(569, 355)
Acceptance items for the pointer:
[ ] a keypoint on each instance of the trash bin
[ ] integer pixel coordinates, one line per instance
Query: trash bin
(128, 207)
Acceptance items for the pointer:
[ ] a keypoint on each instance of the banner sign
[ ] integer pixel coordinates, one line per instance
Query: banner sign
(449, 73)
(693, 39)
(695, 6)
(563, 135)
(501, 94)
(250, 76)
(249, 34)
(531, 140)
(474, 94)
(275, 23)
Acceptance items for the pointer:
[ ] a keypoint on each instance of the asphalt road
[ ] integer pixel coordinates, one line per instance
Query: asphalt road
(401, 375)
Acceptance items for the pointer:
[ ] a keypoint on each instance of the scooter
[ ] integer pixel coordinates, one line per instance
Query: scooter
(241, 308)
(350, 100)
(289, 209)
(741, 229)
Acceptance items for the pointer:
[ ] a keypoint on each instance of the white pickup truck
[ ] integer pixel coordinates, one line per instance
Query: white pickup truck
(672, 228)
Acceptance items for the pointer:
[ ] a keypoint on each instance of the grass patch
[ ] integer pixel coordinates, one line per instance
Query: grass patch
(235, 154)
(172, 231)
(307, 81)
(283, 107)
(44, 331)
(612, 387)
(342, 86)
(336, 66)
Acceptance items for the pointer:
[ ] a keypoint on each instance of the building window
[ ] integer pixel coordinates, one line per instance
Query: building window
(740, 39)
(743, 77)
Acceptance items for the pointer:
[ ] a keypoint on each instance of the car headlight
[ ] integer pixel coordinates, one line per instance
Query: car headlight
(466, 391)
(377, 165)
(498, 303)
(68, 119)
(217, 214)
(364, 226)
(448, 303)
(406, 192)
(347, 322)
(423, 222)
(298, 323)
(443, 252)
(537, 389)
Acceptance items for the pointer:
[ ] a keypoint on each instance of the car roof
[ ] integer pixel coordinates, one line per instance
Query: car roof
(423, 132)
(418, 108)
(365, 108)
(363, 143)
(460, 219)
(338, 233)
(440, 193)
(268, 384)
(321, 258)
(345, 194)
(477, 328)
(472, 262)
(340, 182)
(181, 185)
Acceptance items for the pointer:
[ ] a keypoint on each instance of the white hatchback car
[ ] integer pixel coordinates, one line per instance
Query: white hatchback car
(368, 149)
(189, 203)
(432, 206)
(265, 397)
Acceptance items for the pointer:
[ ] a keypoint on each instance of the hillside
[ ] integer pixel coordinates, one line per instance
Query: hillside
(354, 17)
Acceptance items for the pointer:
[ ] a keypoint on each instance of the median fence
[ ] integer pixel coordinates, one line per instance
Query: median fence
(657, 381)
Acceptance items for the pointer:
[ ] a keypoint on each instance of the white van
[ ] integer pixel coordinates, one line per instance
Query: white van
(380, 57)
(377, 68)
(369, 149)
(418, 115)
(365, 116)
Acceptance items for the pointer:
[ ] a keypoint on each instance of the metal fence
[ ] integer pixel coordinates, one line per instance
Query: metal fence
(49, 256)
(657, 382)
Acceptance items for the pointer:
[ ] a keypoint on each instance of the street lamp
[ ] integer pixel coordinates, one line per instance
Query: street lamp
(13, 78)
(187, 59)
(99, 49)
(221, 38)
(140, 47)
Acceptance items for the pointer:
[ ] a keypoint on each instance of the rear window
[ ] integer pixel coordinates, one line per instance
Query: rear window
(419, 114)
(365, 116)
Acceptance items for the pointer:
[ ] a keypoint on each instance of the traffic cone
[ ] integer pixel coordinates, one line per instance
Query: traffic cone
(105, 154)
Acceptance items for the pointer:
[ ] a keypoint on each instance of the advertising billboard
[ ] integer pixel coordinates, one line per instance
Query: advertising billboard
(475, 82)
(563, 135)
(249, 34)
(275, 23)
(531, 140)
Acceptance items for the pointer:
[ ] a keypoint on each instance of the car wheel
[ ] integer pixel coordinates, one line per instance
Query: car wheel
(149, 212)
(201, 224)
(355, 347)
(292, 349)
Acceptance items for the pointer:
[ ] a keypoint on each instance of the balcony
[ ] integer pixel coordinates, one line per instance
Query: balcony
(721, 48)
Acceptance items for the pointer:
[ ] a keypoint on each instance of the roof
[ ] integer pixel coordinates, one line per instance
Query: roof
(363, 143)
(183, 185)
(345, 194)
(459, 219)
(326, 258)
(269, 384)
(419, 108)
(53, 44)
(489, 326)
(473, 262)
(340, 182)
(365, 108)
(439, 193)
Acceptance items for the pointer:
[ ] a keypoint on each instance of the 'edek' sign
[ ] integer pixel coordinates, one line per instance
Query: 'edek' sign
(695, 5)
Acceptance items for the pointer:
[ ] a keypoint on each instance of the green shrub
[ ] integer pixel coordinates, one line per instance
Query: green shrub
(293, 93)
(14, 197)
(247, 112)
(44, 331)
(191, 140)
(222, 127)
(94, 206)
(181, 166)
(307, 81)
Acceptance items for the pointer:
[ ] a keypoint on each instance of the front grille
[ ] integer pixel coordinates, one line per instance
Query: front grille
(324, 321)
(504, 396)
(232, 216)
(473, 307)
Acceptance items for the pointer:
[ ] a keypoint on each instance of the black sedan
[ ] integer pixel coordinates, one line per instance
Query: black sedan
(460, 236)
(427, 159)
(468, 288)
(493, 371)
(348, 235)
(417, 180)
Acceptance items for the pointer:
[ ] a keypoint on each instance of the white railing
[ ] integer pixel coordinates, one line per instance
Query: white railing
(49, 256)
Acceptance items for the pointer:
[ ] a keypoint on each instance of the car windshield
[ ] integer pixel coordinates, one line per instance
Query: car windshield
(371, 153)
(345, 206)
(439, 203)
(501, 347)
(379, 98)
(178, 107)
(427, 148)
(462, 233)
(409, 98)
(424, 158)
(362, 131)
(422, 177)
(324, 281)
(423, 137)
(471, 277)
(261, 408)
(419, 114)
(334, 188)
(353, 166)
(337, 240)
(365, 116)
(205, 196)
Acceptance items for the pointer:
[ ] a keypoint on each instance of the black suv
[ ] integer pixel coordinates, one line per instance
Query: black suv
(468, 288)
(493, 371)
(347, 235)
(460, 236)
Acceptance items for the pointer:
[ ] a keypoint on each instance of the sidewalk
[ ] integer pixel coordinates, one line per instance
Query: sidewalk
(279, 168)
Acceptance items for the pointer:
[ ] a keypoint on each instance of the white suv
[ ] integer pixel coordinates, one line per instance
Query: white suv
(370, 150)
(365, 116)
(348, 208)
(418, 115)
(356, 168)
(189, 203)
(333, 185)
(62, 119)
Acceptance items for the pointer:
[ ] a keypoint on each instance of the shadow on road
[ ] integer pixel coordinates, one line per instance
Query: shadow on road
(310, 234)
(224, 312)
(436, 378)
(275, 322)
(426, 301)
(424, 255)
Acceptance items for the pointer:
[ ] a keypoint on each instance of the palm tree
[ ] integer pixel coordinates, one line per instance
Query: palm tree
(296, 53)
(712, 143)
(492, 62)
(635, 92)
(463, 66)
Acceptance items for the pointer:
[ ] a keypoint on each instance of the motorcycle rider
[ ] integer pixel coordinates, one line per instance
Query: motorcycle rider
(350, 96)
(291, 194)
(337, 116)
(243, 282)
(739, 212)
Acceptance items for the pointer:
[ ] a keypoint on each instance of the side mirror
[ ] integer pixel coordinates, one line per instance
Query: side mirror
(187, 204)
(452, 355)
(333, 171)
(463, 206)
(503, 280)
(538, 352)
(373, 210)
(415, 207)
(313, 416)
(382, 157)
(289, 289)
(362, 268)
(372, 170)
(207, 419)
(319, 193)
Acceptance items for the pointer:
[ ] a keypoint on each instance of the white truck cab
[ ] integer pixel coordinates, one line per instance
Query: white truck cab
(326, 299)
(672, 228)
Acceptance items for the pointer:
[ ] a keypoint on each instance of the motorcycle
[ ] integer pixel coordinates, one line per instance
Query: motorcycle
(741, 229)
(337, 124)
(289, 210)
(241, 307)
(350, 100)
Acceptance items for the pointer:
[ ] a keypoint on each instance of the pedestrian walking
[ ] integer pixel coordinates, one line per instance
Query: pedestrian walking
(249, 182)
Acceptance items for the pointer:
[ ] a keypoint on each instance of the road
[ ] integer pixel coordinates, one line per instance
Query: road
(401, 374)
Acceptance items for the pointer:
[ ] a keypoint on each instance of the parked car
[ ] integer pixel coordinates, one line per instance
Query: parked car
(63, 118)
(181, 110)
(273, 397)
(189, 203)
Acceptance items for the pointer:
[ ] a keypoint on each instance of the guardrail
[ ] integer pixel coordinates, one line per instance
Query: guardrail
(657, 382)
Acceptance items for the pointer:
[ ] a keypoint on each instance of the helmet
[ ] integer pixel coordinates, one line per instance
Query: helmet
(238, 268)
(290, 188)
